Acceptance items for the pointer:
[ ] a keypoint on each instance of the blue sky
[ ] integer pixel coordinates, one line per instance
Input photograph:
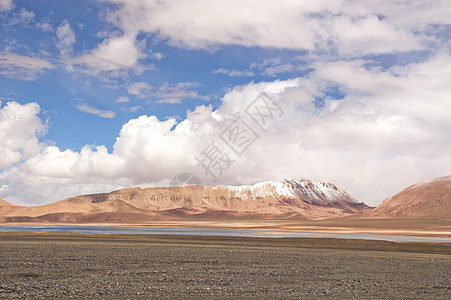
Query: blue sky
(59, 92)
(99, 95)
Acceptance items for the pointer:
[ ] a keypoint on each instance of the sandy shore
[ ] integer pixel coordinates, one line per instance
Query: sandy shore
(51, 265)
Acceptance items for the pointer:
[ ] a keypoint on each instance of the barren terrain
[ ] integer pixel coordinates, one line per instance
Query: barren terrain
(430, 198)
(49, 265)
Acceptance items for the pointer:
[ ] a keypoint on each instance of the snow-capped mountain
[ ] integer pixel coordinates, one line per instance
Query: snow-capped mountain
(282, 198)
(312, 192)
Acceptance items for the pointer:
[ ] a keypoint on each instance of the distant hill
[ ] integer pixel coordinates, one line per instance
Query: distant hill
(299, 198)
(7, 208)
(430, 198)
(4, 203)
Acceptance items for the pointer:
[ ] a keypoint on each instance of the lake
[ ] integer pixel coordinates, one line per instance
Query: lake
(221, 232)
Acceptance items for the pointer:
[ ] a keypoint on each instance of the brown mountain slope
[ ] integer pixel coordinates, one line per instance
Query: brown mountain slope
(4, 203)
(7, 208)
(284, 198)
(81, 204)
(430, 198)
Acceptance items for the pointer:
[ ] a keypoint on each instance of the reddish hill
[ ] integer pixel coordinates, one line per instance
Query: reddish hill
(4, 203)
(7, 208)
(430, 198)
(284, 198)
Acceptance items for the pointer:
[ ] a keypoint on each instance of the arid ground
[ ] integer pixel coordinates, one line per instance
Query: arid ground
(51, 265)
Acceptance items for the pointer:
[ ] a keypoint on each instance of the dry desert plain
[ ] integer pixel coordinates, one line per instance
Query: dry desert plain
(71, 265)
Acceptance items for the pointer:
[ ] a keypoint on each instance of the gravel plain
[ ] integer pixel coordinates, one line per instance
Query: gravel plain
(51, 265)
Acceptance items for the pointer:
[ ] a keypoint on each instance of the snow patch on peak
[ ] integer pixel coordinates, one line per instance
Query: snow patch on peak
(283, 188)
(293, 189)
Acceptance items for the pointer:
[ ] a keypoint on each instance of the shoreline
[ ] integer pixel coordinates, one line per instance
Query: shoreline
(219, 232)
(229, 241)
(440, 228)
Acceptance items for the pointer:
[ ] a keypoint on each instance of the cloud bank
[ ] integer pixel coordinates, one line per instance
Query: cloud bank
(348, 27)
(341, 28)
(386, 132)
(384, 126)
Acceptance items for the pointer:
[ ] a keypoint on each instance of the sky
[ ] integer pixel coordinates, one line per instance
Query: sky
(102, 95)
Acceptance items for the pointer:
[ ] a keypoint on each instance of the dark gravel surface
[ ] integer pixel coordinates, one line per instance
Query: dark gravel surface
(92, 266)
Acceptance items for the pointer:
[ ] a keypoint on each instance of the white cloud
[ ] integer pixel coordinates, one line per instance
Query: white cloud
(122, 99)
(133, 109)
(23, 67)
(174, 94)
(157, 55)
(370, 35)
(254, 23)
(20, 128)
(6, 5)
(114, 55)
(269, 67)
(66, 38)
(109, 114)
(343, 28)
(44, 26)
(23, 16)
(374, 142)
(233, 73)
(273, 71)
(26, 16)
(349, 27)
(138, 88)
(389, 130)
(166, 93)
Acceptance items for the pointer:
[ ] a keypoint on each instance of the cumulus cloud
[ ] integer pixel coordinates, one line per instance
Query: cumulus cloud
(23, 67)
(84, 107)
(20, 128)
(388, 128)
(113, 55)
(66, 38)
(374, 141)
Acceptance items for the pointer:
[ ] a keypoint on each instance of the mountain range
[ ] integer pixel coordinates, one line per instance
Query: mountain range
(297, 198)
